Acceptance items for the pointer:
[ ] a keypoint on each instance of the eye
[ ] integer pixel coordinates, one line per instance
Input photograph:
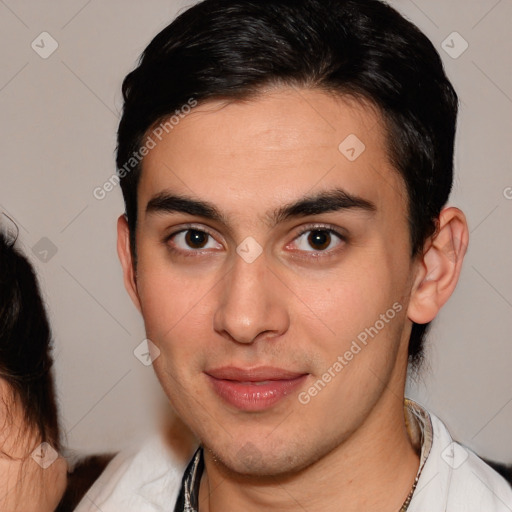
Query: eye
(191, 240)
(318, 239)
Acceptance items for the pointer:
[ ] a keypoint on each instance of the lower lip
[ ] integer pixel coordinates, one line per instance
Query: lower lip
(249, 396)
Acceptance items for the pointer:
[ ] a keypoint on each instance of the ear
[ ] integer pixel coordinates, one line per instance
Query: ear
(125, 256)
(439, 267)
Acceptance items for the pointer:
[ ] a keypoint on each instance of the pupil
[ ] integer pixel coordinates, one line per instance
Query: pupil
(319, 238)
(196, 238)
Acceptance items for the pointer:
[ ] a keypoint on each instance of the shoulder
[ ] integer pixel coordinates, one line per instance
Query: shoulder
(455, 479)
(481, 487)
(145, 478)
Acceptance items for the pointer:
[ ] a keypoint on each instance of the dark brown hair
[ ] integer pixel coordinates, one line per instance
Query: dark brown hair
(25, 343)
(230, 49)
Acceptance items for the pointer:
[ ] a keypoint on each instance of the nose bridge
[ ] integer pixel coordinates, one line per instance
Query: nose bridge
(248, 303)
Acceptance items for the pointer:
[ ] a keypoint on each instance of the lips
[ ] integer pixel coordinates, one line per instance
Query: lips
(254, 389)
(252, 374)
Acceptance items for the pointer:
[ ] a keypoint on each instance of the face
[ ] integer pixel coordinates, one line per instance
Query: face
(282, 330)
(25, 486)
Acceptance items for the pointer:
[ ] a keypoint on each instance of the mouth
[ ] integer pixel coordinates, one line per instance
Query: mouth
(254, 389)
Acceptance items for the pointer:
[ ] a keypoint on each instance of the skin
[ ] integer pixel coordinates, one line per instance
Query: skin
(24, 485)
(295, 307)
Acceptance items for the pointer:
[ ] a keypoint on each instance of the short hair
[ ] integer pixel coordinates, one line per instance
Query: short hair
(26, 344)
(232, 49)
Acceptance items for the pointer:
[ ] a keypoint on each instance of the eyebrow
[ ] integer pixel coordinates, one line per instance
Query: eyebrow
(322, 202)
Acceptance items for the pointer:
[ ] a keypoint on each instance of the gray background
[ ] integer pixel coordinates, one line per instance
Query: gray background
(59, 118)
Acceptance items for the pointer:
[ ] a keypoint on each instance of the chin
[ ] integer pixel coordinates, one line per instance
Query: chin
(264, 461)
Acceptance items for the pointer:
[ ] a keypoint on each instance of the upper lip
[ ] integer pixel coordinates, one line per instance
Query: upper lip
(257, 374)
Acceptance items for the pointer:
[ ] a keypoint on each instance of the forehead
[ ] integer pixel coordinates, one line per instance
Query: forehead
(248, 156)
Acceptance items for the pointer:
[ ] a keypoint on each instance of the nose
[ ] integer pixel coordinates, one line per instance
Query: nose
(252, 304)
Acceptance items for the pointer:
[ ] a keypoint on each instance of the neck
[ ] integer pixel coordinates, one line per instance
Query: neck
(373, 470)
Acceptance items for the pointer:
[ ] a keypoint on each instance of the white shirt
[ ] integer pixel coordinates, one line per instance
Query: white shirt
(452, 477)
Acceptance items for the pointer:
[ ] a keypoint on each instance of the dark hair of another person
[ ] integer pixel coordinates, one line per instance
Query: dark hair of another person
(231, 49)
(25, 344)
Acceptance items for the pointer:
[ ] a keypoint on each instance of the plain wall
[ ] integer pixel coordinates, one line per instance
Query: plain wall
(59, 120)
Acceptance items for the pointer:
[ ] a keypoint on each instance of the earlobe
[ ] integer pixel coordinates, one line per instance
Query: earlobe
(439, 268)
(125, 257)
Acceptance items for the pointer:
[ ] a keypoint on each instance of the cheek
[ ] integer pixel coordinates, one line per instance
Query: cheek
(363, 304)
(166, 298)
(175, 321)
(352, 298)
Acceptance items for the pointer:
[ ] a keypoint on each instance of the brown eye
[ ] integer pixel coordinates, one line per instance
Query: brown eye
(191, 242)
(319, 240)
(196, 239)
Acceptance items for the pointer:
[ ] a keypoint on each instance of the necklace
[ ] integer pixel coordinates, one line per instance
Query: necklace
(407, 501)
(190, 490)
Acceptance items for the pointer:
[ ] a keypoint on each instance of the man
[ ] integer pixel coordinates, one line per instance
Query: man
(285, 167)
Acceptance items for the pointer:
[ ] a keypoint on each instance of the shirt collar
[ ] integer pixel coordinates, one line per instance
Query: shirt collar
(189, 494)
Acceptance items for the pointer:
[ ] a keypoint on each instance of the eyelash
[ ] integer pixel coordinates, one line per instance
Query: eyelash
(311, 254)
(187, 254)
(325, 228)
